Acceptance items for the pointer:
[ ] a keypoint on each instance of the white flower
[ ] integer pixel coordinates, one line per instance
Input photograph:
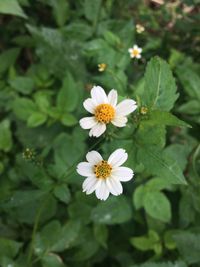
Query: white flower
(135, 52)
(139, 28)
(104, 177)
(105, 110)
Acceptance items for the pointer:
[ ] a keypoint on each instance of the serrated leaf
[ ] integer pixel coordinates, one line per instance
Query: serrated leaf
(138, 196)
(22, 84)
(23, 108)
(5, 136)
(160, 88)
(11, 7)
(8, 58)
(62, 193)
(9, 248)
(157, 205)
(68, 119)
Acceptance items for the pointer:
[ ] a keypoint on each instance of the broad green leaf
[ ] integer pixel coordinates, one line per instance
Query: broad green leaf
(92, 10)
(158, 117)
(113, 211)
(157, 184)
(11, 7)
(162, 264)
(138, 196)
(62, 193)
(101, 234)
(160, 88)
(168, 240)
(68, 119)
(188, 246)
(8, 57)
(24, 108)
(24, 85)
(5, 136)
(42, 100)
(191, 107)
(60, 11)
(145, 243)
(36, 119)
(81, 210)
(67, 98)
(9, 248)
(158, 163)
(52, 260)
(157, 205)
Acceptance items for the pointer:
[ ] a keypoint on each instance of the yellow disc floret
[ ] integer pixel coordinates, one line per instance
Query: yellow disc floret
(135, 52)
(102, 170)
(104, 113)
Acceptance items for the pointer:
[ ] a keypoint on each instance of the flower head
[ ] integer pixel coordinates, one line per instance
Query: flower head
(105, 110)
(139, 28)
(102, 67)
(104, 176)
(135, 52)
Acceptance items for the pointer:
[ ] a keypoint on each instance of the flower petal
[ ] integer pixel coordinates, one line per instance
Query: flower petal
(102, 191)
(130, 50)
(139, 50)
(88, 122)
(124, 174)
(114, 186)
(118, 157)
(85, 169)
(89, 185)
(135, 47)
(93, 157)
(138, 56)
(112, 97)
(125, 107)
(89, 105)
(97, 130)
(119, 121)
(98, 95)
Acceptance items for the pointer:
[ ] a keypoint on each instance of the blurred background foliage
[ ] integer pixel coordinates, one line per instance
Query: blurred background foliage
(50, 51)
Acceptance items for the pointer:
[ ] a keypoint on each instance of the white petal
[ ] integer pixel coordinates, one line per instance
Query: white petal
(102, 191)
(97, 130)
(135, 47)
(98, 95)
(89, 105)
(88, 122)
(130, 50)
(85, 169)
(114, 186)
(119, 121)
(118, 157)
(112, 97)
(138, 56)
(139, 50)
(124, 174)
(93, 157)
(90, 185)
(125, 107)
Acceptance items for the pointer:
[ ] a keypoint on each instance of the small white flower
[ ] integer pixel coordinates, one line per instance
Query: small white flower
(135, 52)
(139, 28)
(104, 177)
(105, 110)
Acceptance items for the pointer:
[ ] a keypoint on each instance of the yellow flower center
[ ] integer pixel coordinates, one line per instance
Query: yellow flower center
(104, 113)
(102, 170)
(135, 52)
(143, 110)
(102, 67)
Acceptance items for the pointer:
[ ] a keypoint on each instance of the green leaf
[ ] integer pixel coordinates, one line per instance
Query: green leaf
(24, 85)
(191, 107)
(52, 260)
(161, 164)
(8, 57)
(68, 119)
(42, 99)
(145, 243)
(188, 246)
(138, 196)
(5, 136)
(11, 7)
(24, 107)
(101, 234)
(92, 9)
(9, 248)
(157, 205)
(60, 11)
(67, 98)
(158, 117)
(113, 211)
(62, 193)
(160, 88)
(162, 264)
(36, 119)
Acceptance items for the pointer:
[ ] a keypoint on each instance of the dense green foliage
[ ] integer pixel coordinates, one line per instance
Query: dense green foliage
(50, 51)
